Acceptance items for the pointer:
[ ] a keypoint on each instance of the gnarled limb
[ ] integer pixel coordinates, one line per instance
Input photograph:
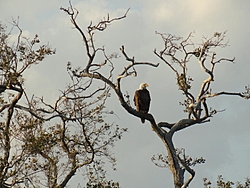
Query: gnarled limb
(197, 107)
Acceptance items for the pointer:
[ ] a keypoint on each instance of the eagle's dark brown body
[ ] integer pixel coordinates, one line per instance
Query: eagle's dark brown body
(142, 101)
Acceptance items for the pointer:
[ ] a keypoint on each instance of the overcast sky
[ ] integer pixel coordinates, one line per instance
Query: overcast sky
(224, 142)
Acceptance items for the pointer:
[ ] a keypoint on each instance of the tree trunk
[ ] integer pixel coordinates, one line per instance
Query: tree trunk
(174, 165)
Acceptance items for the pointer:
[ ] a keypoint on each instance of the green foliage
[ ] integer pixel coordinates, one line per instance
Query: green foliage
(103, 184)
(16, 58)
(162, 161)
(221, 183)
(43, 145)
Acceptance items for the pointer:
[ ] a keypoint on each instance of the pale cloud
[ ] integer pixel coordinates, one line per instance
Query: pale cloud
(92, 10)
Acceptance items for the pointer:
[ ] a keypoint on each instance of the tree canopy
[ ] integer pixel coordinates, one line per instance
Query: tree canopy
(45, 144)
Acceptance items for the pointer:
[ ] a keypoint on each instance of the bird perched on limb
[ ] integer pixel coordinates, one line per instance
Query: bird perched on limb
(142, 99)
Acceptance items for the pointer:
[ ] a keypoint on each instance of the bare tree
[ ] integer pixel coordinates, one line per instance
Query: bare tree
(177, 52)
(45, 144)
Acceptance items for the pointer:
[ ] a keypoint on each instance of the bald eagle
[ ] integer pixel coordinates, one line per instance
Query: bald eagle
(142, 99)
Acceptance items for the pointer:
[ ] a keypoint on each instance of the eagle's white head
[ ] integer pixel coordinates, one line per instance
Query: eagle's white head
(143, 86)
